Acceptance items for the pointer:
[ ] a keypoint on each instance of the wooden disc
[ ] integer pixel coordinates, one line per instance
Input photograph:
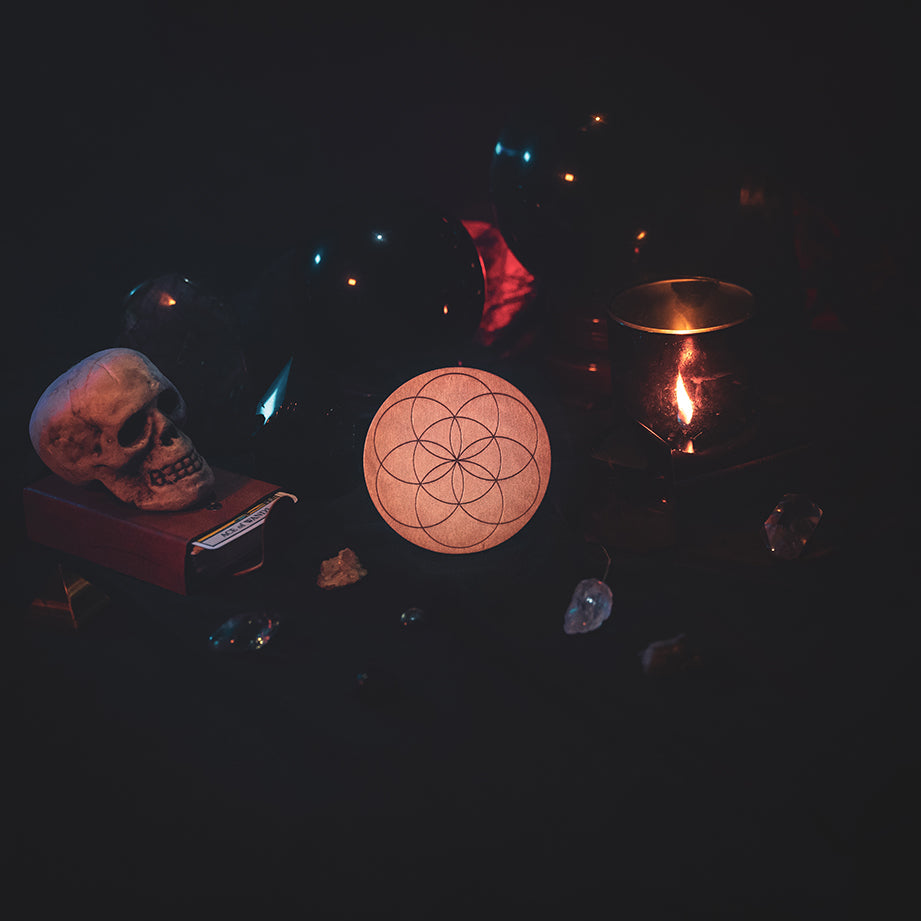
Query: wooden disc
(457, 460)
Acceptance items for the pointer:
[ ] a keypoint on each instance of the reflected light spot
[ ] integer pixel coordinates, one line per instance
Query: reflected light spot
(167, 300)
(498, 148)
(316, 259)
(526, 156)
(444, 310)
(568, 177)
(379, 237)
(276, 392)
(352, 281)
(641, 235)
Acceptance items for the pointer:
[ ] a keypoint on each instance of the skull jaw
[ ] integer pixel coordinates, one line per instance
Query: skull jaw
(186, 492)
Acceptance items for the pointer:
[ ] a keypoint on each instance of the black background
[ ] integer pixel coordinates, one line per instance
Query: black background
(216, 136)
(209, 138)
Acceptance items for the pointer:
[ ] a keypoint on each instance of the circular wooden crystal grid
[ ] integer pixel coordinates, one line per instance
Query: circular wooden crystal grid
(457, 460)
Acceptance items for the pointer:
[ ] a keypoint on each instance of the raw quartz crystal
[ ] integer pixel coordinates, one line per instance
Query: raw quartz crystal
(342, 569)
(589, 608)
(791, 524)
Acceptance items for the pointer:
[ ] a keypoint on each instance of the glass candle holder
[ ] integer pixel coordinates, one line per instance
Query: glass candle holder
(678, 363)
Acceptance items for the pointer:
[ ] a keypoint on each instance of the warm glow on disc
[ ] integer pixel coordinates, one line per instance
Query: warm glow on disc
(457, 460)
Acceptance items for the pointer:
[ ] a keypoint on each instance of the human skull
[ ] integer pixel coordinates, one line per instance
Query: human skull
(114, 417)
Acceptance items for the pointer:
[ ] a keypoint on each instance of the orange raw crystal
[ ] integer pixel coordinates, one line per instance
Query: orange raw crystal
(341, 570)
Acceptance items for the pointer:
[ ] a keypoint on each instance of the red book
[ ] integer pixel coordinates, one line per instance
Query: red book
(176, 550)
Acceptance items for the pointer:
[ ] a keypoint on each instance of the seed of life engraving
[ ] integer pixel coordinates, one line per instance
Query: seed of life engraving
(457, 460)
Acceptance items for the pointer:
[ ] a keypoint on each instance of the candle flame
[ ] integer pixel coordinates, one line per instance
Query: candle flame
(685, 404)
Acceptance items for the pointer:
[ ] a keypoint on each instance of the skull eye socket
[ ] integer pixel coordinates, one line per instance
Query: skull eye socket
(133, 429)
(168, 402)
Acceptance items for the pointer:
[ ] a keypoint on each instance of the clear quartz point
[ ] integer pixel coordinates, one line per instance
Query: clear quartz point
(247, 631)
(589, 607)
(791, 524)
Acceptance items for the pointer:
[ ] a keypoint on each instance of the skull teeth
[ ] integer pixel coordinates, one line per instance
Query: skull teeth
(172, 473)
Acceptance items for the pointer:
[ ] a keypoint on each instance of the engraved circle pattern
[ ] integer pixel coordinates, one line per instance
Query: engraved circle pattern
(457, 460)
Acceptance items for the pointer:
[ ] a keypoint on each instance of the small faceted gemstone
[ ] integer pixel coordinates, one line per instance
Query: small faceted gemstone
(243, 632)
(412, 618)
(791, 524)
(589, 608)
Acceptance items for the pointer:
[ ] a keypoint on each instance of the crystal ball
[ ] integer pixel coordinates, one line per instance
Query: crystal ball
(195, 338)
(309, 434)
(605, 189)
(380, 294)
(395, 284)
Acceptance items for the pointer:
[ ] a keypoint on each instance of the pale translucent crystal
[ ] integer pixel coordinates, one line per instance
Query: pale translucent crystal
(589, 608)
(791, 524)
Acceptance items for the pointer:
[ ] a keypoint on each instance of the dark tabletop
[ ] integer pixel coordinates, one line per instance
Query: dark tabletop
(493, 765)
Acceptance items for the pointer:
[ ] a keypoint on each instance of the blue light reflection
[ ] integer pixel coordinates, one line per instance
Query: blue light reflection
(275, 395)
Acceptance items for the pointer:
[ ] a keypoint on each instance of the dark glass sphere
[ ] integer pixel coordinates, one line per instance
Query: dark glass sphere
(366, 305)
(396, 291)
(552, 181)
(309, 433)
(657, 184)
(194, 338)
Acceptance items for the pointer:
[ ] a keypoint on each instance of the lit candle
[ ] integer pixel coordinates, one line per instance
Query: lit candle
(684, 402)
(685, 411)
